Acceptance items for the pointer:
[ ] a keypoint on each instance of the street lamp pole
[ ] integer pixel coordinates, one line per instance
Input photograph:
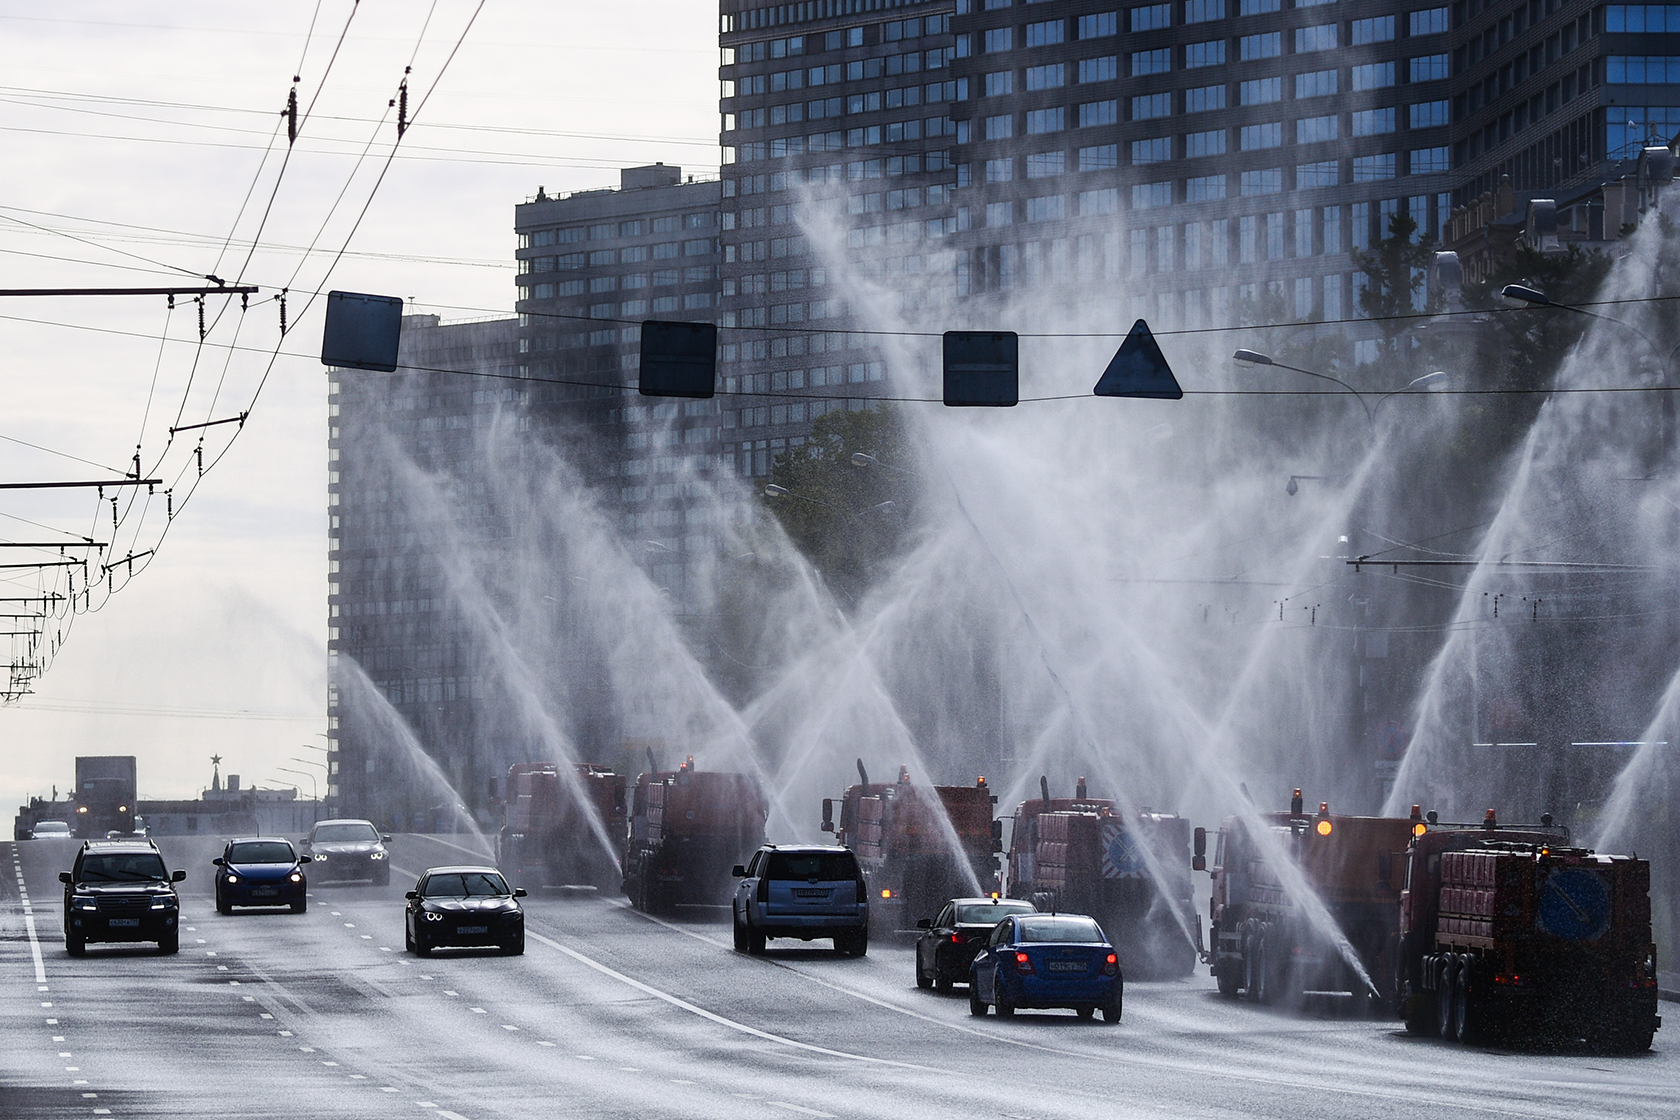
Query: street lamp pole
(1255, 358)
(314, 789)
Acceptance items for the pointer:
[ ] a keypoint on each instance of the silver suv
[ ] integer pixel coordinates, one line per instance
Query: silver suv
(806, 891)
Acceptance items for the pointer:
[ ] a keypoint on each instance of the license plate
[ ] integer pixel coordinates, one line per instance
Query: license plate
(474, 929)
(125, 923)
(1065, 966)
(807, 892)
(265, 892)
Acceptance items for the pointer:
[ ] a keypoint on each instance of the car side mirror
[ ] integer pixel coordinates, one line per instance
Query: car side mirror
(519, 892)
(64, 877)
(179, 876)
(384, 839)
(925, 923)
(306, 859)
(411, 895)
(219, 861)
(738, 871)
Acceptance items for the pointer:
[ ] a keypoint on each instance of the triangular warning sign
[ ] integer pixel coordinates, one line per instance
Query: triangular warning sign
(1139, 370)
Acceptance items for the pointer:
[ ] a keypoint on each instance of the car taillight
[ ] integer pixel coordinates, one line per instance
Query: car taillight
(1111, 966)
(764, 888)
(1023, 964)
(862, 891)
(956, 939)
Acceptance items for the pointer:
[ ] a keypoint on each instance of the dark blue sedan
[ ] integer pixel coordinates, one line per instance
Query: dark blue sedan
(260, 871)
(1047, 960)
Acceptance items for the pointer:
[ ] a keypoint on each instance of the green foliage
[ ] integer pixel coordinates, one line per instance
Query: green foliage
(846, 519)
(1395, 268)
(1530, 344)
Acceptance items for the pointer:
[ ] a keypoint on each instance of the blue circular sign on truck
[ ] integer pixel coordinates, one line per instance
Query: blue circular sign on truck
(1574, 905)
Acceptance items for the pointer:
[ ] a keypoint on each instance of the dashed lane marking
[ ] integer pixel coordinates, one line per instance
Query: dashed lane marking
(714, 1017)
(799, 1108)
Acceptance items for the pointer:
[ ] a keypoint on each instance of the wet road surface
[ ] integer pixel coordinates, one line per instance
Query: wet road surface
(613, 1014)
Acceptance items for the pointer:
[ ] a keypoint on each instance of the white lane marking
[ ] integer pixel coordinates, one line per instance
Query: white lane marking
(52, 1022)
(249, 999)
(46, 1003)
(447, 992)
(478, 1011)
(509, 1027)
(90, 1096)
(35, 950)
(799, 1108)
(584, 1057)
(58, 1038)
(102, 1112)
(387, 1088)
(447, 1115)
(65, 1054)
(544, 1042)
(680, 1081)
(630, 1069)
(266, 1015)
(712, 1016)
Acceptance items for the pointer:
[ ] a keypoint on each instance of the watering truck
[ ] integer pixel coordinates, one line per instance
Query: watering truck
(552, 824)
(911, 861)
(1514, 933)
(105, 793)
(1131, 872)
(1264, 939)
(687, 829)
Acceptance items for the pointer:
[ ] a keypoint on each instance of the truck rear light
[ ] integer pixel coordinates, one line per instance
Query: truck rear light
(1023, 964)
(885, 893)
(1111, 966)
(1511, 979)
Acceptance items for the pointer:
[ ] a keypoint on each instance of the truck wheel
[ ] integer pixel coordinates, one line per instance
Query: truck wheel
(1446, 991)
(1226, 976)
(1420, 1012)
(75, 945)
(1467, 1018)
(1260, 971)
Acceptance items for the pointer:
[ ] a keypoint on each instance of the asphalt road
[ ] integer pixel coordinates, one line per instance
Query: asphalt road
(613, 1014)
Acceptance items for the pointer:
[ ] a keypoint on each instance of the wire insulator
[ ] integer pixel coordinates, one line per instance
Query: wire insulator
(291, 115)
(282, 311)
(402, 109)
(169, 504)
(200, 301)
(199, 451)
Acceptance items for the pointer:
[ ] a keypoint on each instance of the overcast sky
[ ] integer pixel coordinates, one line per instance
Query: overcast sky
(139, 137)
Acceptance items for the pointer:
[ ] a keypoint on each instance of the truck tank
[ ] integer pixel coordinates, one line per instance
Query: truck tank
(687, 829)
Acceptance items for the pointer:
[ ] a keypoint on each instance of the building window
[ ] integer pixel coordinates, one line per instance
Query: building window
(1103, 24)
(1000, 213)
(1428, 114)
(1266, 180)
(1044, 120)
(1430, 21)
(1655, 70)
(1324, 174)
(1332, 229)
(1373, 122)
(1370, 169)
(1000, 170)
(1151, 62)
(1151, 196)
(1373, 75)
(999, 39)
(1151, 106)
(1379, 29)
(1045, 34)
(1044, 165)
(1154, 150)
(1091, 113)
(1104, 201)
(1205, 188)
(1428, 68)
(1104, 69)
(1642, 17)
(1000, 128)
(1210, 53)
(1268, 45)
(1261, 91)
(1102, 157)
(1047, 208)
(1202, 99)
(1201, 11)
(1257, 136)
(1257, 7)
(1318, 83)
(1313, 130)
(1204, 143)
(1429, 161)
(1000, 83)
(1047, 77)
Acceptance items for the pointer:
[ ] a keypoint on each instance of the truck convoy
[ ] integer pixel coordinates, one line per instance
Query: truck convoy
(688, 828)
(1511, 932)
(1264, 941)
(911, 861)
(104, 797)
(549, 833)
(1131, 872)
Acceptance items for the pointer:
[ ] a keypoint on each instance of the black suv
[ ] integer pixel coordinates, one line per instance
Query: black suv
(119, 890)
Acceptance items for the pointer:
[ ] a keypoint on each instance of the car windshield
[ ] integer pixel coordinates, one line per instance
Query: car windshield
(1050, 927)
(345, 833)
(123, 867)
(815, 867)
(989, 913)
(262, 851)
(464, 884)
(52, 826)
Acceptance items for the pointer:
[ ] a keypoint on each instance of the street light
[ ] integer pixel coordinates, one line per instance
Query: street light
(314, 789)
(1255, 358)
(1425, 383)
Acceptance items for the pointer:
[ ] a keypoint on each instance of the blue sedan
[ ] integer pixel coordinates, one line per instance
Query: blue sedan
(1047, 960)
(260, 871)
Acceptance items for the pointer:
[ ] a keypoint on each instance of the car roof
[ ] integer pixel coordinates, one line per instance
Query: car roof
(344, 820)
(806, 849)
(259, 839)
(982, 899)
(456, 869)
(140, 845)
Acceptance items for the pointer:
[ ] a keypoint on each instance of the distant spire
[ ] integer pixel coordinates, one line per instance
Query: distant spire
(215, 772)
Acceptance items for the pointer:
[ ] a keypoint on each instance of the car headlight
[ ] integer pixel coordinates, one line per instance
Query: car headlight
(377, 855)
(233, 878)
(432, 916)
(163, 902)
(86, 904)
(320, 859)
(296, 877)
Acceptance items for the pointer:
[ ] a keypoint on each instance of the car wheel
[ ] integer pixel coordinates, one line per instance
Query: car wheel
(514, 948)
(942, 984)
(1084, 1012)
(408, 938)
(1111, 1010)
(755, 942)
(421, 949)
(74, 945)
(382, 878)
(976, 1006)
(170, 942)
(740, 935)
(223, 906)
(1005, 1009)
(923, 980)
(300, 906)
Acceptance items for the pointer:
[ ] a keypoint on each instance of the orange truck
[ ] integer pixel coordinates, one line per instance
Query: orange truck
(687, 829)
(1513, 933)
(911, 861)
(548, 835)
(1264, 939)
(1130, 871)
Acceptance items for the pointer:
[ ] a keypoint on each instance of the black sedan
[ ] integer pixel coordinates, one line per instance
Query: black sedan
(464, 906)
(349, 849)
(949, 942)
(260, 871)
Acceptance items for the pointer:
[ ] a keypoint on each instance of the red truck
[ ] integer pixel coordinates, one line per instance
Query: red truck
(1513, 933)
(911, 860)
(1265, 941)
(1130, 871)
(687, 829)
(553, 824)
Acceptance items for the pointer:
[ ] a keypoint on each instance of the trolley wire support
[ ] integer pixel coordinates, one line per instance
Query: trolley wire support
(240, 420)
(65, 485)
(219, 290)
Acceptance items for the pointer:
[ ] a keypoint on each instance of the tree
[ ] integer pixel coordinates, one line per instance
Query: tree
(1394, 270)
(846, 519)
